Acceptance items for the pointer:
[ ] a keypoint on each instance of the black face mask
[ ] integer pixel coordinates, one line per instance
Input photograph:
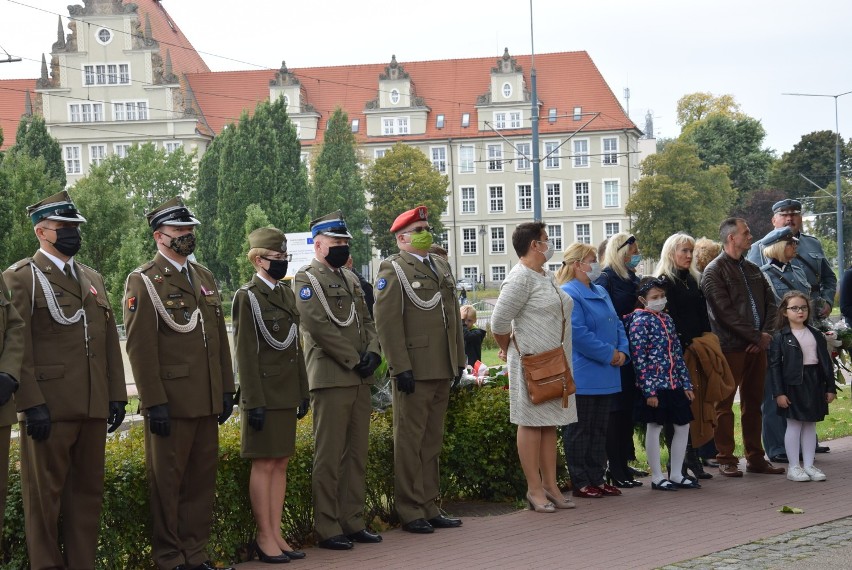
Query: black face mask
(68, 241)
(277, 268)
(338, 255)
(182, 245)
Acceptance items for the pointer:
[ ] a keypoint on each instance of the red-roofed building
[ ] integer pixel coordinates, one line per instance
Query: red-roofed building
(15, 101)
(131, 76)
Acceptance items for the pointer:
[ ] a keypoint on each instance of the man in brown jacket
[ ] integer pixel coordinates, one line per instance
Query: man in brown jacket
(181, 359)
(11, 353)
(419, 325)
(72, 383)
(742, 312)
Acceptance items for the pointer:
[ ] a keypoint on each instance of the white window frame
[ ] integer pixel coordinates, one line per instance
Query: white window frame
(552, 162)
(465, 120)
(467, 201)
(394, 97)
(519, 206)
(608, 234)
(120, 149)
(502, 267)
(606, 194)
(467, 165)
(609, 157)
(105, 74)
(506, 90)
(495, 157)
(584, 186)
(495, 243)
(122, 110)
(557, 197)
(578, 237)
(403, 125)
(523, 154)
(71, 156)
(379, 153)
(171, 146)
(100, 40)
(444, 241)
(394, 126)
(496, 200)
(553, 267)
(499, 120)
(439, 162)
(387, 126)
(467, 243)
(85, 112)
(97, 157)
(465, 269)
(581, 157)
(557, 242)
(515, 119)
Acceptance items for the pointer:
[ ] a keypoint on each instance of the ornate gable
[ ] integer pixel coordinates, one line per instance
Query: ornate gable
(506, 71)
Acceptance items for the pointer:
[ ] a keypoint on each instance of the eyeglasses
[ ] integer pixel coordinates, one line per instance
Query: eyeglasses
(798, 308)
(630, 241)
(285, 257)
(420, 229)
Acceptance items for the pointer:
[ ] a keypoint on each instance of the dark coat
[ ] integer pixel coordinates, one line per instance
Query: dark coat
(786, 361)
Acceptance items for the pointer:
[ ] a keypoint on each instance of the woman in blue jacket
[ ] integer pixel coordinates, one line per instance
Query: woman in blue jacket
(600, 348)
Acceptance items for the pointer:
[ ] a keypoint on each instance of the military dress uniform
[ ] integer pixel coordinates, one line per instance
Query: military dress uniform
(337, 330)
(11, 353)
(72, 365)
(270, 366)
(419, 326)
(178, 347)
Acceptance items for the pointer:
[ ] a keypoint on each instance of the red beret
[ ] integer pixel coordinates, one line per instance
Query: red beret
(409, 217)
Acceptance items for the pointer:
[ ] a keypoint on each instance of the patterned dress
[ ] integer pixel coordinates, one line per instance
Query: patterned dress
(529, 305)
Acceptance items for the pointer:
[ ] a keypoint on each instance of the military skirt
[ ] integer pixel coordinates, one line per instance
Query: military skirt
(276, 439)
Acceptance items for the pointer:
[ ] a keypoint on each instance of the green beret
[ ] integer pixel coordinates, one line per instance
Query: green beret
(272, 239)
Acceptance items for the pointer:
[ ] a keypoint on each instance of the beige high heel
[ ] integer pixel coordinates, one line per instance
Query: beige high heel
(564, 503)
(545, 508)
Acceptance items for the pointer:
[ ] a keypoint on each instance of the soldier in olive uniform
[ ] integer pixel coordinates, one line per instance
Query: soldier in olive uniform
(181, 360)
(419, 325)
(11, 353)
(341, 354)
(273, 384)
(72, 383)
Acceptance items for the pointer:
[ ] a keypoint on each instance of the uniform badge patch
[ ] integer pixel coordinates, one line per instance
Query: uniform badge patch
(93, 290)
(305, 293)
(131, 304)
(381, 283)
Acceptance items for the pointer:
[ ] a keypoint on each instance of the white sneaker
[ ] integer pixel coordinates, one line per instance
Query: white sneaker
(796, 473)
(814, 473)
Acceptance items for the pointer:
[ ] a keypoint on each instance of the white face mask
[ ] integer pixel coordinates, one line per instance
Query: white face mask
(656, 305)
(547, 253)
(594, 272)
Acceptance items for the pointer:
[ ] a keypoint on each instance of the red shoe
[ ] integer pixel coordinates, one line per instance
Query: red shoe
(608, 489)
(588, 492)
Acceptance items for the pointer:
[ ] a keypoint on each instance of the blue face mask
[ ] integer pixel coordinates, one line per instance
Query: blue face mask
(634, 261)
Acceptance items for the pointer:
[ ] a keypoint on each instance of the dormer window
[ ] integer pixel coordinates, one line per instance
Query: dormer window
(394, 96)
(578, 113)
(507, 90)
(465, 119)
(551, 115)
(355, 124)
(439, 122)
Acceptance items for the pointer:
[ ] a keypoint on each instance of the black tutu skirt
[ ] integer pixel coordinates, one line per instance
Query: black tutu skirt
(673, 408)
(807, 400)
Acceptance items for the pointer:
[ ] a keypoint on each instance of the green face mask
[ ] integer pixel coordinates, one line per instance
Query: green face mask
(421, 240)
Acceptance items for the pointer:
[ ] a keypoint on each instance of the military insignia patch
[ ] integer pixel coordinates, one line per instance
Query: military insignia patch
(158, 278)
(93, 290)
(131, 304)
(381, 283)
(305, 293)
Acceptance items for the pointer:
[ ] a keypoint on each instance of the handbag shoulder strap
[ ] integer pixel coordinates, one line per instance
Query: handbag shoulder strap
(561, 307)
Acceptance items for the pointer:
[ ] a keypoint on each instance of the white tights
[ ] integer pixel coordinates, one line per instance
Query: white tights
(804, 434)
(677, 450)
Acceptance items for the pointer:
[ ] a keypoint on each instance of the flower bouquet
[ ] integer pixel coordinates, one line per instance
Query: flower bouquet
(839, 337)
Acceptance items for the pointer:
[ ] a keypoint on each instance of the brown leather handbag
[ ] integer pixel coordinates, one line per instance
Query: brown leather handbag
(547, 374)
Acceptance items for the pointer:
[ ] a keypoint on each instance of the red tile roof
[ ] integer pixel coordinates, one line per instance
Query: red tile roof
(450, 87)
(166, 31)
(13, 96)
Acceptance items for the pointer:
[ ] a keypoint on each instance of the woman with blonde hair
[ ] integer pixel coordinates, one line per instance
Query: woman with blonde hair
(619, 278)
(706, 250)
(600, 349)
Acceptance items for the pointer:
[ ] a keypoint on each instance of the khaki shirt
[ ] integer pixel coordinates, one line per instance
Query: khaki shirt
(188, 371)
(56, 368)
(11, 348)
(270, 378)
(332, 350)
(427, 342)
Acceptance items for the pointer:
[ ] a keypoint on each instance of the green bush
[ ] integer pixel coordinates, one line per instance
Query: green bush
(479, 461)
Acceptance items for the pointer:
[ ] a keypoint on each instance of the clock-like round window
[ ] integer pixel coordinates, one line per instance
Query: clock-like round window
(394, 96)
(507, 90)
(104, 36)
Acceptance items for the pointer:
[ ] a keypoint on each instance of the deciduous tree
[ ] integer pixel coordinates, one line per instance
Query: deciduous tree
(813, 156)
(695, 107)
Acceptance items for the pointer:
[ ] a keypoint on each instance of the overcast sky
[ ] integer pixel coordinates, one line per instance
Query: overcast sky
(661, 49)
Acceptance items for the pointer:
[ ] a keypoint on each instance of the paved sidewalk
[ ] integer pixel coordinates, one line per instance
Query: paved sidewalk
(642, 529)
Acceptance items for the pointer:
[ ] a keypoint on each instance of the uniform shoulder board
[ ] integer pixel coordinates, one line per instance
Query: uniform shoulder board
(144, 267)
(392, 257)
(83, 265)
(247, 286)
(20, 264)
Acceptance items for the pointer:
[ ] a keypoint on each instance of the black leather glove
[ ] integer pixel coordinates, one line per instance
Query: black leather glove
(303, 408)
(458, 378)
(117, 411)
(38, 422)
(8, 386)
(159, 421)
(227, 407)
(368, 364)
(405, 382)
(256, 418)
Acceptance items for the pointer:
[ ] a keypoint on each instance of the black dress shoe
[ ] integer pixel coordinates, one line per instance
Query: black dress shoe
(254, 549)
(780, 458)
(442, 521)
(822, 449)
(364, 536)
(418, 526)
(208, 565)
(338, 542)
(637, 472)
(294, 554)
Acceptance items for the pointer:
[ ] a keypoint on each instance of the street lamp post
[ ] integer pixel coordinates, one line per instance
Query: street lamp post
(841, 259)
(483, 232)
(367, 230)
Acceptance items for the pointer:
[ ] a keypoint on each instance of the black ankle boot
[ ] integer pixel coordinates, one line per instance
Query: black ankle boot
(693, 463)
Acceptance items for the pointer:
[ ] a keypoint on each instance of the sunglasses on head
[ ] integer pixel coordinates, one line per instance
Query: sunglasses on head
(630, 241)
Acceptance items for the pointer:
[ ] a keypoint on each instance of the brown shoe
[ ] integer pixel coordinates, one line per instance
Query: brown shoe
(765, 467)
(730, 470)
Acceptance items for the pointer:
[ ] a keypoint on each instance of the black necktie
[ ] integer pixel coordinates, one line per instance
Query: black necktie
(185, 273)
(69, 273)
